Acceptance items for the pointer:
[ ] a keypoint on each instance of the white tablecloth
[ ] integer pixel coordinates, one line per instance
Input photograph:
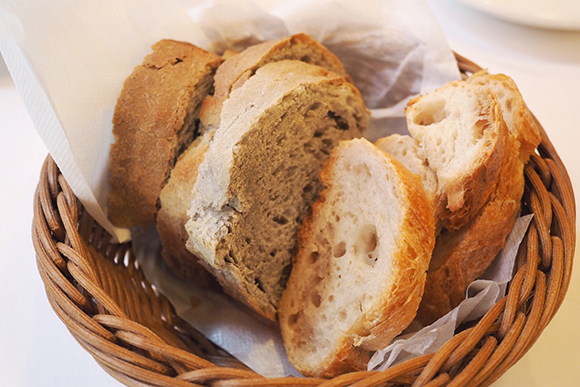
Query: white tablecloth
(37, 350)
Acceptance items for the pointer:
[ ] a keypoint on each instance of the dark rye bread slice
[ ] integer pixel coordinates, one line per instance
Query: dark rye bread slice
(260, 174)
(154, 120)
(238, 68)
(360, 268)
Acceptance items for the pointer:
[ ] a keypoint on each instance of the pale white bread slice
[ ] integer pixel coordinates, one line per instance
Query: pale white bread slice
(175, 199)
(406, 150)
(154, 121)
(260, 174)
(519, 119)
(463, 138)
(463, 255)
(360, 267)
(238, 68)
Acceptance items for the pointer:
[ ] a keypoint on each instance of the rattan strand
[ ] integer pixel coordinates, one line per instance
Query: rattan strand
(100, 293)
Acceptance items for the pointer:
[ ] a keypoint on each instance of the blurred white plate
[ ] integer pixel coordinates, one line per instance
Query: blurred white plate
(553, 14)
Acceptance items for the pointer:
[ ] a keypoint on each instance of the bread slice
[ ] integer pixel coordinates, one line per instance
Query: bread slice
(175, 199)
(463, 255)
(463, 138)
(405, 149)
(260, 174)
(155, 119)
(519, 119)
(464, 251)
(238, 68)
(360, 267)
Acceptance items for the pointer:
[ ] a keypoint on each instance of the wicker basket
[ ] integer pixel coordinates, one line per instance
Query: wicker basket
(98, 290)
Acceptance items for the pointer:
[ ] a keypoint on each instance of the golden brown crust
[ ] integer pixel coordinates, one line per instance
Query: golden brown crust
(238, 68)
(521, 122)
(153, 122)
(463, 255)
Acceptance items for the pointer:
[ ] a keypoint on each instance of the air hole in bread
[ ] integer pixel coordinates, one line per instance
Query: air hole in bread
(258, 283)
(368, 239)
(342, 315)
(314, 256)
(306, 59)
(339, 250)
(478, 128)
(362, 170)
(316, 300)
(280, 219)
(315, 106)
(341, 123)
(293, 318)
(430, 112)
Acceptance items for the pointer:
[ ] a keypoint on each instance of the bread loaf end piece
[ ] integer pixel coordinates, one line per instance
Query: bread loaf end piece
(154, 120)
(360, 267)
(260, 174)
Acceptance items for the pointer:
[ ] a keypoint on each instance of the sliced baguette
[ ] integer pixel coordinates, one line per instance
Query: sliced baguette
(463, 255)
(360, 267)
(463, 139)
(405, 149)
(238, 68)
(155, 119)
(260, 174)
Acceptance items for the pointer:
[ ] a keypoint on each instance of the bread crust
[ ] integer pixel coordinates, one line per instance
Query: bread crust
(466, 191)
(238, 68)
(518, 117)
(154, 121)
(396, 291)
(463, 255)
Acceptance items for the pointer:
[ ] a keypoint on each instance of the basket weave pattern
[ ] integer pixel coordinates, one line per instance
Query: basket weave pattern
(98, 290)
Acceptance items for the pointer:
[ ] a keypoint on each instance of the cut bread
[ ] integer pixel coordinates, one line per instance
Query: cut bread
(260, 174)
(464, 249)
(406, 150)
(463, 255)
(238, 68)
(360, 267)
(175, 198)
(519, 119)
(154, 120)
(463, 139)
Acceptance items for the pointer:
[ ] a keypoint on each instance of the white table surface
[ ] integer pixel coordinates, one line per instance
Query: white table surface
(37, 350)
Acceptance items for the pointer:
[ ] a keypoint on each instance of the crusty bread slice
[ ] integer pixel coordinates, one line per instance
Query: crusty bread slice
(175, 198)
(463, 251)
(154, 120)
(519, 119)
(359, 271)
(238, 68)
(260, 174)
(463, 139)
(406, 150)
(463, 255)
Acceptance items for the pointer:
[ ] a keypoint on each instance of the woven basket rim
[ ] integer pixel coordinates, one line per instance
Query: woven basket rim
(99, 292)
